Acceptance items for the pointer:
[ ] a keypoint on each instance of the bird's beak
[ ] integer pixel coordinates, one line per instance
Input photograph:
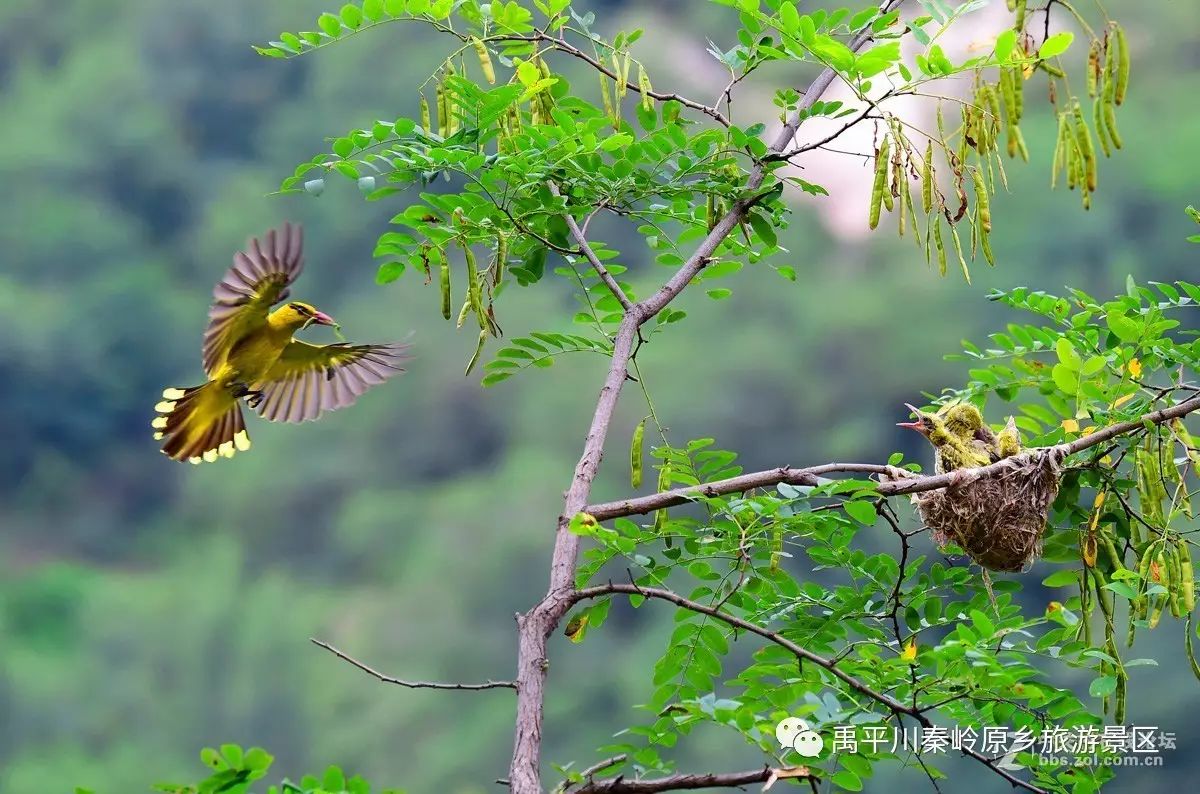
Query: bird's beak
(321, 318)
(918, 425)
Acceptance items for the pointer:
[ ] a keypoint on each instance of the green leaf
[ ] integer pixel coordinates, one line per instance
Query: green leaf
(1056, 45)
(330, 24)
(1124, 328)
(1004, 45)
(389, 272)
(720, 293)
(1061, 578)
(847, 780)
(1104, 685)
(862, 512)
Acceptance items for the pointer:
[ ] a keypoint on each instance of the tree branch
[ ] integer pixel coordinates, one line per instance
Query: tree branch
(619, 785)
(908, 485)
(387, 679)
(591, 257)
(535, 626)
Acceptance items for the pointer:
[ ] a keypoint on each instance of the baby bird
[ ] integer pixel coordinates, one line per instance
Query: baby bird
(953, 437)
(1008, 440)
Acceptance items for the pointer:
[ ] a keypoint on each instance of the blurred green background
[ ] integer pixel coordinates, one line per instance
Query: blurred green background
(148, 609)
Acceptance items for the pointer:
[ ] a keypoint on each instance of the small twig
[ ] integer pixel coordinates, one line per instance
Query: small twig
(387, 679)
(590, 255)
(619, 785)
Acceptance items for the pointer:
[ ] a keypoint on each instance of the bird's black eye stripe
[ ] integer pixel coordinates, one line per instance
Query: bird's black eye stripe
(297, 307)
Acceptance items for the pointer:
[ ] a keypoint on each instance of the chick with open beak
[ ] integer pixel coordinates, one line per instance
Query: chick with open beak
(953, 437)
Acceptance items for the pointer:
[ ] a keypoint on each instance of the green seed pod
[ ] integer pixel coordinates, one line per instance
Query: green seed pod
(1084, 136)
(903, 214)
(1109, 71)
(635, 455)
(485, 60)
(645, 88)
(962, 262)
(1101, 127)
(985, 244)
(1187, 576)
(463, 312)
(937, 243)
(879, 188)
(981, 200)
(442, 128)
(1020, 23)
(444, 281)
(1122, 81)
(927, 180)
(1187, 643)
(501, 260)
(1174, 585)
(607, 100)
(424, 113)
(474, 289)
(483, 334)
(1110, 123)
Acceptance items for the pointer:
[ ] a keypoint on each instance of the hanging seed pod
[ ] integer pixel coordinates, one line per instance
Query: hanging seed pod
(927, 180)
(903, 214)
(645, 88)
(483, 334)
(1187, 577)
(1084, 137)
(635, 455)
(425, 121)
(485, 60)
(939, 245)
(660, 516)
(1093, 67)
(474, 290)
(463, 311)
(442, 129)
(985, 244)
(1059, 161)
(1110, 123)
(982, 201)
(1187, 643)
(1020, 23)
(1122, 57)
(607, 100)
(1101, 127)
(1174, 581)
(879, 187)
(962, 262)
(501, 260)
(444, 281)
(710, 211)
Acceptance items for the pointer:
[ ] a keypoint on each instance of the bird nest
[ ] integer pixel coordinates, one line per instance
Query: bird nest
(998, 519)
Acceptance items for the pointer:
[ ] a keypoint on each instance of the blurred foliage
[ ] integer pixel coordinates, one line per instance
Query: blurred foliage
(147, 610)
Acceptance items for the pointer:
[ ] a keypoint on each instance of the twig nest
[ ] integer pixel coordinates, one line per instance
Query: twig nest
(998, 520)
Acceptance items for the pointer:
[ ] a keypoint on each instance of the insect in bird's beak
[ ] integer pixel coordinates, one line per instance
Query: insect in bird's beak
(321, 318)
(918, 425)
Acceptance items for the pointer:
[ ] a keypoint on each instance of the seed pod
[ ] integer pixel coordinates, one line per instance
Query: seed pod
(424, 113)
(1061, 151)
(981, 200)
(474, 289)
(660, 516)
(1109, 71)
(501, 260)
(444, 281)
(485, 60)
(1156, 609)
(1110, 123)
(635, 455)
(607, 100)
(1020, 23)
(1187, 643)
(1093, 67)
(937, 243)
(620, 86)
(1171, 574)
(1084, 137)
(1120, 696)
(962, 262)
(1016, 135)
(1122, 81)
(1018, 87)
(645, 88)
(985, 244)
(442, 110)
(1101, 127)
(927, 179)
(879, 188)
(463, 312)
(903, 214)
(478, 350)
(1187, 576)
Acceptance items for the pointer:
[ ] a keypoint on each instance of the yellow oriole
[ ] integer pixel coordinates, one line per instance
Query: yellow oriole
(249, 353)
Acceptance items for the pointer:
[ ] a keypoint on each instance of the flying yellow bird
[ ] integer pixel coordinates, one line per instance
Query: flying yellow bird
(249, 353)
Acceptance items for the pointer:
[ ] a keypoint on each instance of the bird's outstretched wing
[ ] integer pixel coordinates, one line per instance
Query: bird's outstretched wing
(307, 379)
(259, 278)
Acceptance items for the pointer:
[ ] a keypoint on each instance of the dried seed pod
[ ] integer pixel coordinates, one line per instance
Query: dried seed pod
(635, 455)
(1122, 56)
(444, 281)
(1093, 67)
(478, 351)
(485, 60)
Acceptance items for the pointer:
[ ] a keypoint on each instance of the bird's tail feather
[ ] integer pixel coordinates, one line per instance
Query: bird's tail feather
(200, 424)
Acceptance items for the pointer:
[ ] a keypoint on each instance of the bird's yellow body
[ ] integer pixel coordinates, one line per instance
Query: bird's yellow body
(250, 351)
(962, 440)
